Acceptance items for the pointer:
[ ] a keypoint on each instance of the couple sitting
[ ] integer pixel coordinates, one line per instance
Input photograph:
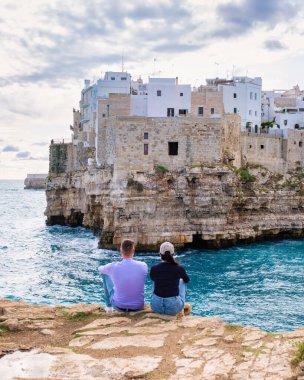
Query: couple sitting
(124, 282)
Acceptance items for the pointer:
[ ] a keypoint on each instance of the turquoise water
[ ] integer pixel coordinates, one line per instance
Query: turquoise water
(258, 284)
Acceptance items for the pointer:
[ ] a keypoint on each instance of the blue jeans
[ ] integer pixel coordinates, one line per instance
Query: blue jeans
(108, 287)
(109, 292)
(170, 305)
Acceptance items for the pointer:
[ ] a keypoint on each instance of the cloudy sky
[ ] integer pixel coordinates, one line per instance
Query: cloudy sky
(49, 47)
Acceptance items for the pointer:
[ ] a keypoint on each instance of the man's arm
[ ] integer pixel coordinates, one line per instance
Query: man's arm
(106, 269)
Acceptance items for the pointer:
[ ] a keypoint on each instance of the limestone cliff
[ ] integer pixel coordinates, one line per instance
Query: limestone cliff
(83, 342)
(204, 206)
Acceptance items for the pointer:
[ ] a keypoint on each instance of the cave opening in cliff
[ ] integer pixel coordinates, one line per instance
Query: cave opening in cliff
(198, 242)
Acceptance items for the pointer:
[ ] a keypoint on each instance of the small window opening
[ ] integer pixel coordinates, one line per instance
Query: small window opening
(173, 148)
(234, 110)
(234, 95)
(262, 146)
(182, 112)
(112, 78)
(181, 94)
(170, 112)
(212, 111)
(146, 149)
(146, 135)
(300, 143)
(158, 92)
(201, 110)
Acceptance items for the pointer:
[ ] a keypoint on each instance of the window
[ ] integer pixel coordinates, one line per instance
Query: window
(262, 146)
(170, 112)
(146, 149)
(123, 78)
(173, 148)
(297, 126)
(251, 95)
(285, 122)
(200, 110)
(234, 110)
(212, 111)
(255, 96)
(255, 113)
(158, 92)
(300, 143)
(146, 135)
(181, 94)
(234, 95)
(182, 112)
(250, 112)
(250, 146)
(112, 78)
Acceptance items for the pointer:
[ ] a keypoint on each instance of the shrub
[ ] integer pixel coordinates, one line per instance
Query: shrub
(135, 185)
(299, 354)
(245, 175)
(161, 169)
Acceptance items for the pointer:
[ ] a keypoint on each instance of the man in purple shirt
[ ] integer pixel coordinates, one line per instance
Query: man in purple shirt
(124, 281)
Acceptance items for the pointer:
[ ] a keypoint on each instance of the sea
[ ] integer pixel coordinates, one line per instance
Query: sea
(259, 284)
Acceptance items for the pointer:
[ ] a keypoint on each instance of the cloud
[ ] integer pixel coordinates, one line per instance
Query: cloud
(10, 148)
(239, 18)
(43, 158)
(274, 45)
(23, 155)
(69, 42)
(42, 143)
(177, 48)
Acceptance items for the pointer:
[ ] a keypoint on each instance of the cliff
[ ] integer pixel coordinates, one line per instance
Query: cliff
(82, 342)
(204, 206)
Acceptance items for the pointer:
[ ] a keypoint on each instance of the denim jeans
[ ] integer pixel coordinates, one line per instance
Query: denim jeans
(170, 305)
(108, 289)
(109, 292)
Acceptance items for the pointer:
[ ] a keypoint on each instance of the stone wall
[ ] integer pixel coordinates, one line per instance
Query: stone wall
(121, 141)
(294, 151)
(285, 102)
(207, 97)
(231, 140)
(275, 153)
(264, 149)
(64, 158)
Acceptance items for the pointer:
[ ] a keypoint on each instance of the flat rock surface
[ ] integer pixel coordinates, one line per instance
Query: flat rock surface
(83, 342)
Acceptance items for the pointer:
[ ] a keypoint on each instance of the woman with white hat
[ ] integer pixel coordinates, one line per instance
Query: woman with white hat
(170, 280)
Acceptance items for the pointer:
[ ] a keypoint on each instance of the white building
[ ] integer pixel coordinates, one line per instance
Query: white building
(161, 97)
(242, 96)
(167, 98)
(286, 107)
(112, 83)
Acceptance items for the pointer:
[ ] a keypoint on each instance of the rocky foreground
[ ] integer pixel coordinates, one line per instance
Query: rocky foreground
(83, 342)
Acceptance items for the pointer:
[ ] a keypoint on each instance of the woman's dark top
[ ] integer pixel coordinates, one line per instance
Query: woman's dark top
(166, 279)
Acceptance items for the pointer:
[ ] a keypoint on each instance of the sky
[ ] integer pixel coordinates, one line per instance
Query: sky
(48, 48)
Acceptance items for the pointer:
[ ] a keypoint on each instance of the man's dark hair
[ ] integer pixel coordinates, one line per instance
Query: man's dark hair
(127, 246)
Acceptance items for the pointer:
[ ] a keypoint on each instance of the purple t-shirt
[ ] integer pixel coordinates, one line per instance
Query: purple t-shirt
(129, 278)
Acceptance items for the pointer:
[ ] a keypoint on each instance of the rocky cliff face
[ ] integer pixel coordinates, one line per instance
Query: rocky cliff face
(83, 342)
(203, 206)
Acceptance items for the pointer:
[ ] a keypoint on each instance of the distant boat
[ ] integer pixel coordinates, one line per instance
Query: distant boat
(35, 181)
